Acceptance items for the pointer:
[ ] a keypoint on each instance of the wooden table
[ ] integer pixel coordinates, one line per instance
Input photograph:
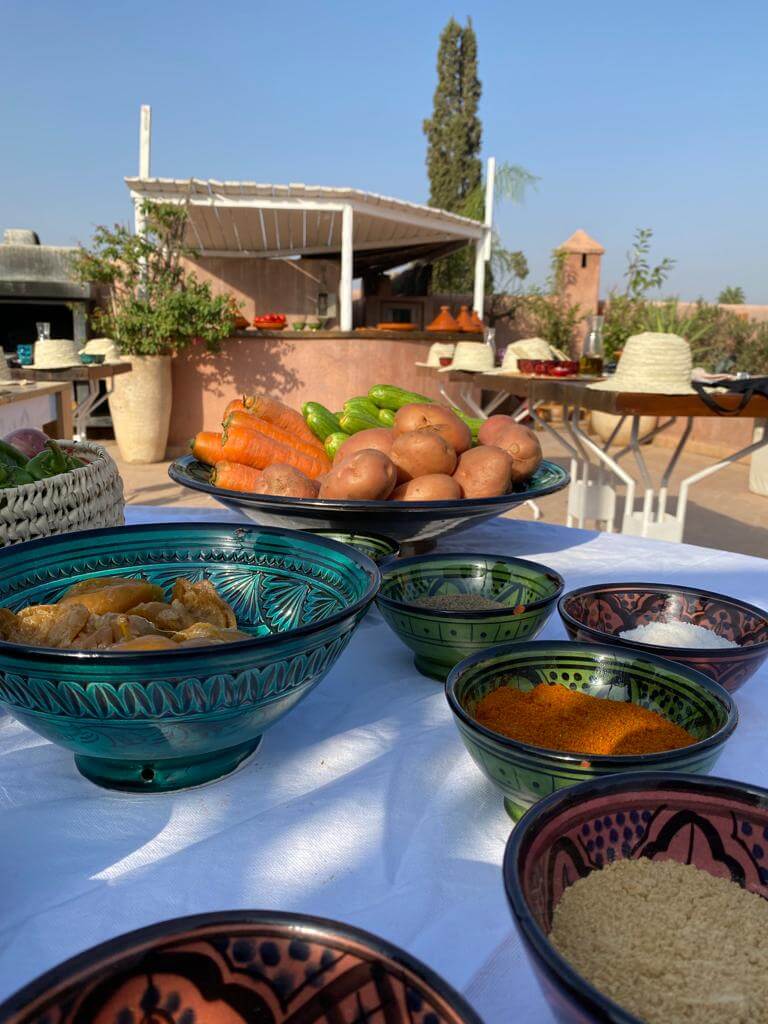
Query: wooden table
(592, 493)
(91, 375)
(47, 406)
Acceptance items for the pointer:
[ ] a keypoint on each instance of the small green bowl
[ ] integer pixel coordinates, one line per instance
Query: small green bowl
(297, 325)
(381, 550)
(525, 773)
(92, 358)
(441, 639)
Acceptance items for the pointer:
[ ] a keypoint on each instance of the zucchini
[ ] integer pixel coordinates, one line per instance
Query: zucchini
(321, 421)
(333, 442)
(359, 414)
(387, 396)
(387, 417)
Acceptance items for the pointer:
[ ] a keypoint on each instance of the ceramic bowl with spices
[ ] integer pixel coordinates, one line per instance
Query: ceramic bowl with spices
(537, 717)
(722, 637)
(450, 606)
(644, 897)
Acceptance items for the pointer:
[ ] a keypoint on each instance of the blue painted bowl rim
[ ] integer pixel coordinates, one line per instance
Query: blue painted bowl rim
(468, 556)
(178, 471)
(550, 807)
(307, 926)
(604, 761)
(52, 654)
(716, 653)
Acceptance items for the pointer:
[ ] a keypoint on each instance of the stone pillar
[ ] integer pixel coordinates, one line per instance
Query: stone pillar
(581, 278)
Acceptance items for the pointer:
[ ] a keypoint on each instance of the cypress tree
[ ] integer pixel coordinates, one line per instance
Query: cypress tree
(454, 135)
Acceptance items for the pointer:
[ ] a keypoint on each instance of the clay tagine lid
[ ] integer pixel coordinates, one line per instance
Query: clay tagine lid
(443, 321)
(479, 325)
(464, 320)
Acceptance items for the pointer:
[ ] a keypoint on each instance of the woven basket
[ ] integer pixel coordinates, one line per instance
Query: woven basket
(82, 499)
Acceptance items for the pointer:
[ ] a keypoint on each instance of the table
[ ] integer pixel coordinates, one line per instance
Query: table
(592, 494)
(361, 805)
(37, 405)
(91, 375)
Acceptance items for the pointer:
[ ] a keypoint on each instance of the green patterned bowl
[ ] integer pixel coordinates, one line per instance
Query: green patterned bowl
(525, 774)
(382, 550)
(164, 720)
(441, 639)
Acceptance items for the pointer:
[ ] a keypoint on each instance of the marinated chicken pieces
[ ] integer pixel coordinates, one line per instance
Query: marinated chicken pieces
(120, 614)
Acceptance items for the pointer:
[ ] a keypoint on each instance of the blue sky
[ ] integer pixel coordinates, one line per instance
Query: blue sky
(632, 115)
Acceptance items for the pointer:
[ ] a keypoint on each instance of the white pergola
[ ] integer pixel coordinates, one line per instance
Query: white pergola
(246, 219)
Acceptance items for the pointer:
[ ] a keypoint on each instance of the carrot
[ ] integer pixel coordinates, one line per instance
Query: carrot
(234, 476)
(255, 449)
(234, 405)
(240, 418)
(269, 409)
(206, 447)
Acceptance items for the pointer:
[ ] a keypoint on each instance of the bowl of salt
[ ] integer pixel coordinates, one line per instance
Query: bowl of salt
(722, 637)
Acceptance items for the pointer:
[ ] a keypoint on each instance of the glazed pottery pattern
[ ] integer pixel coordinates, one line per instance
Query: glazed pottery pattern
(440, 639)
(524, 773)
(599, 614)
(382, 550)
(414, 522)
(719, 826)
(164, 720)
(241, 968)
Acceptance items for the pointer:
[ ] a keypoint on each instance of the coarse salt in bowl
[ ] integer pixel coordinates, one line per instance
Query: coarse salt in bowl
(602, 612)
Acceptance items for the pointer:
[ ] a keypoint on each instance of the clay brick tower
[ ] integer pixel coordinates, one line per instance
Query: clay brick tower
(582, 274)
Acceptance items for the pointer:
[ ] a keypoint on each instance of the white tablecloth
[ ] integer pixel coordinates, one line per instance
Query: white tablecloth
(361, 805)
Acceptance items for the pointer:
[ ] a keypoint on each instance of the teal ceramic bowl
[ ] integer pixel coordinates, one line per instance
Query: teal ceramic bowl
(382, 550)
(164, 720)
(440, 639)
(92, 358)
(525, 773)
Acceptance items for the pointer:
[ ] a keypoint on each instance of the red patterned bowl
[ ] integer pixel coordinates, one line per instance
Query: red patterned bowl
(238, 967)
(598, 613)
(716, 825)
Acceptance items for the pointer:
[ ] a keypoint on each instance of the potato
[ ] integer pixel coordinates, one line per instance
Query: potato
(446, 423)
(287, 482)
(432, 487)
(368, 475)
(516, 440)
(484, 472)
(378, 438)
(422, 452)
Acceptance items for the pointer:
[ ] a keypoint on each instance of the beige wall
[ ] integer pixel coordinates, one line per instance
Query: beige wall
(268, 286)
(294, 370)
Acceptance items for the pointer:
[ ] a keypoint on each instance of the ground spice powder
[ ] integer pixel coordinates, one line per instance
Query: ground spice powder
(562, 719)
(668, 942)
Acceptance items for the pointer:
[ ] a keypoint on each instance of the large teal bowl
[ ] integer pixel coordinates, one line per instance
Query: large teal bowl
(163, 719)
(525, 773)
(441, 639)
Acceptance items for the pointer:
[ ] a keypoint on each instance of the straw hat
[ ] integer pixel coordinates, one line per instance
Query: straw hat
(472, 356)
(101, 346)
(658, 364)
(437, 351)
(55, 354)
(526, 348)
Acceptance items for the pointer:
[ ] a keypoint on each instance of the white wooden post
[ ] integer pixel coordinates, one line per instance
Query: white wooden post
(145, 140)
(145, 147)
(483, 248)
(345, 280)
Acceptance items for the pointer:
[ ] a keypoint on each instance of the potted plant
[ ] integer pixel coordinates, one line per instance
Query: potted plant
(153, 308)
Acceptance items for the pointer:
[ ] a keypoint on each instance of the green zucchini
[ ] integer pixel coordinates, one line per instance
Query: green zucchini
(320, 420)
(387, 417)
(333, 442)
(359, 414)
(387, 396)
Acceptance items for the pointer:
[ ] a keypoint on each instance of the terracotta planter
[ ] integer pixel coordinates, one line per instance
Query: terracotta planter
(604, 423)
(140, 405)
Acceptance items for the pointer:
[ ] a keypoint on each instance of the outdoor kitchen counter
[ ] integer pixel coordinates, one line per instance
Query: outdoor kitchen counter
(298, 366)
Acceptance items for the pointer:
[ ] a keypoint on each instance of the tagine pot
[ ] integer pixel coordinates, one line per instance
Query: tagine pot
(140, 406)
